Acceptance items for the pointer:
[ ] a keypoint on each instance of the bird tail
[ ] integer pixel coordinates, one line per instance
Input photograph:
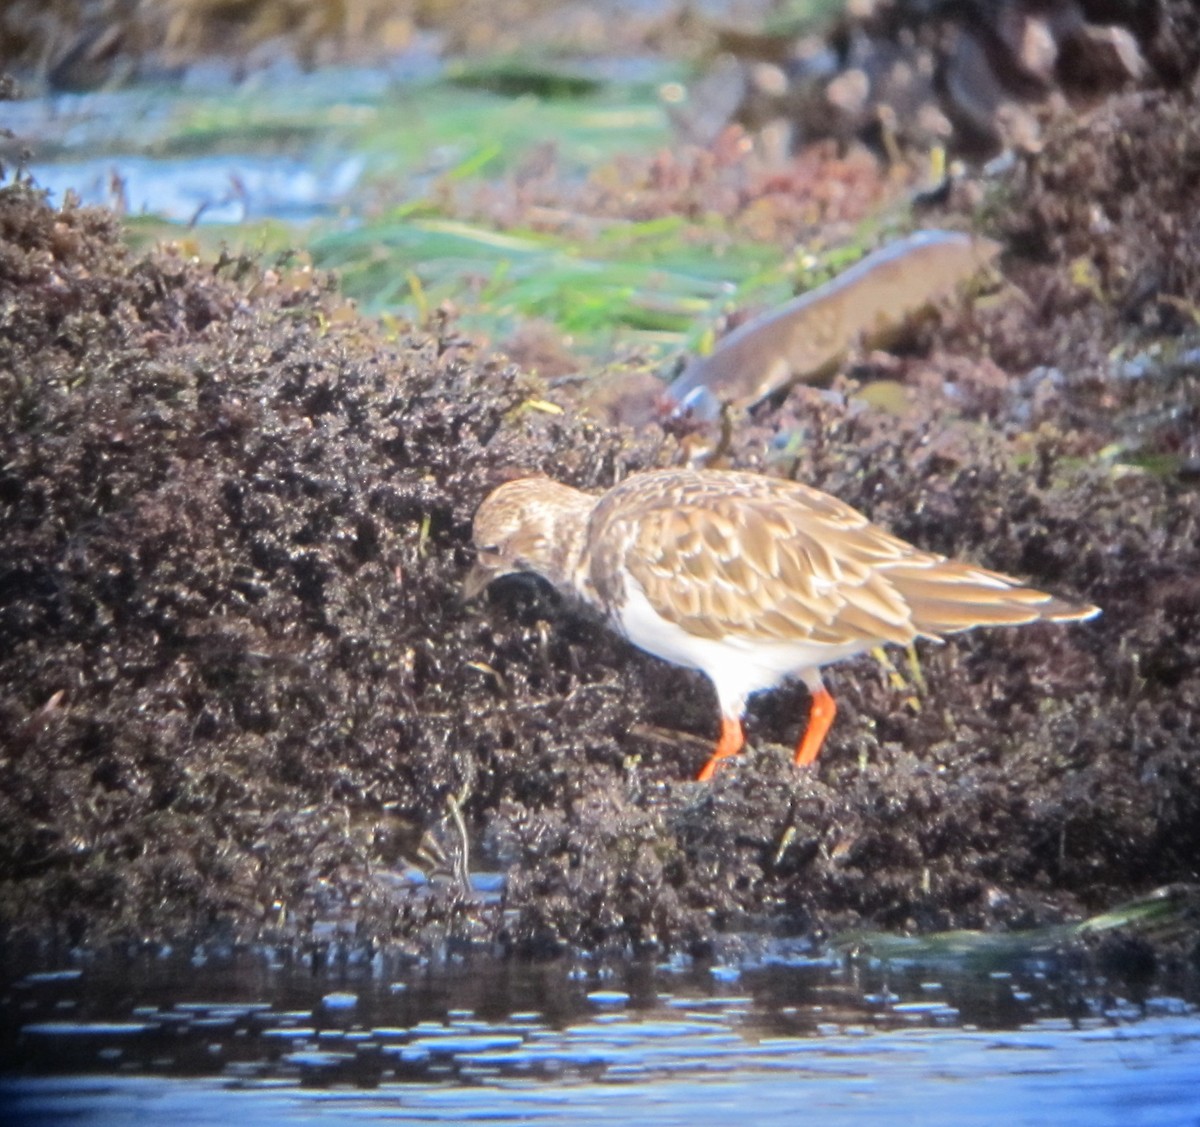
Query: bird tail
(947, 596)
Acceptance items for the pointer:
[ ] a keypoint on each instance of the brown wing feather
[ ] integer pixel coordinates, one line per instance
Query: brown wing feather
(762, 558)
(767, 559)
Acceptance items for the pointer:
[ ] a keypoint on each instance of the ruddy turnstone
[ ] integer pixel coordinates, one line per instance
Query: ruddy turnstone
(749, 579)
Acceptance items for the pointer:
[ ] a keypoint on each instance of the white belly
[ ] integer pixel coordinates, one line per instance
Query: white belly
(737, 667)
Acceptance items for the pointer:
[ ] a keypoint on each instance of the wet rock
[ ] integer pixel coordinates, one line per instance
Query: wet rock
(981, 77)
(865, 305)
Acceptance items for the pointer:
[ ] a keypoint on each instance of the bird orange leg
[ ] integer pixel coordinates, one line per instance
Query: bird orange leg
(820, 717)
(730, 743)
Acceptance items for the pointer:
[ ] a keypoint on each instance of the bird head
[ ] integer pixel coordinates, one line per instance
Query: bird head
(530, 525)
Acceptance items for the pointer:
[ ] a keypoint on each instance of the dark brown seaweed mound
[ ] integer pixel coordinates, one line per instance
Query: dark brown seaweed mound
(231, 646)
(237, 681)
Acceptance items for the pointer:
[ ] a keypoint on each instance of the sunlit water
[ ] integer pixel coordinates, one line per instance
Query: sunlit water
(280, 144)
(216, 189)
(249, 1039)
(114, 148)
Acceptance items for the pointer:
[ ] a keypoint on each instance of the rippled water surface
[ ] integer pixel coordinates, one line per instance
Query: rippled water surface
(252, 1039)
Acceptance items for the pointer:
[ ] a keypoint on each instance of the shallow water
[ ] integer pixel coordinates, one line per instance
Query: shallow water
(208, 1039)
(293, 146)
(208, 153)
(220, 190)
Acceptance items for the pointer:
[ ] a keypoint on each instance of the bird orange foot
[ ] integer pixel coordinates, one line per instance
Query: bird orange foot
(820, 719)
(730, 743)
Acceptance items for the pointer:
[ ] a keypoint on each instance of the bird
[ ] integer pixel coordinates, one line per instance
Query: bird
(748, 578)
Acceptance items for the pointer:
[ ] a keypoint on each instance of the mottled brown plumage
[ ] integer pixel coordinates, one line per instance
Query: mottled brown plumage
(750, 579)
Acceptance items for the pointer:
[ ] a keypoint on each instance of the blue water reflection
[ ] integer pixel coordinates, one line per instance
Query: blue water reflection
(131, 1041)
